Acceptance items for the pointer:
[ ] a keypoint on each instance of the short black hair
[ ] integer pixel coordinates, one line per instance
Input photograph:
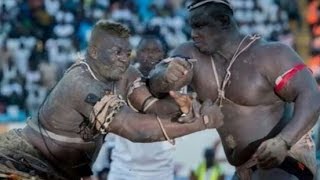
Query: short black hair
(107, 27)
(148, 37)
(112, 27)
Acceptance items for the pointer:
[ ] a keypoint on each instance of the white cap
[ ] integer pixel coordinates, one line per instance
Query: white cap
(196, 5)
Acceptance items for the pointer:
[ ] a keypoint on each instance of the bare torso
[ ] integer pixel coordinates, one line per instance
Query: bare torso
(251, 108)
(65, 112)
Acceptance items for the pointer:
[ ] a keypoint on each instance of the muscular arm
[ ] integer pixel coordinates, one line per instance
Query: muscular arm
(159, 82)
(166, 107)
(140, 98)
(145, 128)
(301, 89)
(111, 114)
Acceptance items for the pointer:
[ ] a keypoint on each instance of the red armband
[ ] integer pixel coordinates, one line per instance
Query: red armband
(282, 80)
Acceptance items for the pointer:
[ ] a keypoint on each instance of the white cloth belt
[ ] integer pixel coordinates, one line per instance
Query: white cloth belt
(53, 135)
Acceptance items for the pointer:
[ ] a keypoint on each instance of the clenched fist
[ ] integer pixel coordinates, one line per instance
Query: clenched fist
(177, 70)
(271, 153)
(211, 114)
(208, 114)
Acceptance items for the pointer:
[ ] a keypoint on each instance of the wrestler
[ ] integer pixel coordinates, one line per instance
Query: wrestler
(88, 102)
(267, 95)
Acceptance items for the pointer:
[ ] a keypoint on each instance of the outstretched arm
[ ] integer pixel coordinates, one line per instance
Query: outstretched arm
(110, 114)
(145, 127)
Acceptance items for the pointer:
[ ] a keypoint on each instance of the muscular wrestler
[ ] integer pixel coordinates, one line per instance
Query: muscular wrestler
(253, 82)
(88, 102)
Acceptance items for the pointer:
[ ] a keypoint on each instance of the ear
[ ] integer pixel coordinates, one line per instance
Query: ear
(93, 52)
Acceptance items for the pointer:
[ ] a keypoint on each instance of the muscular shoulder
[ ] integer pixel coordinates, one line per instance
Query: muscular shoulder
(132, 73)
(275, 58)
(78, 84)
(128, 78)
(275, 51)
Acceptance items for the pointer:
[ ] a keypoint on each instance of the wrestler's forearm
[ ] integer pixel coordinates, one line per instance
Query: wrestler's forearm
(157, 83)
(165, 107)
(306, 113)
(141, 100)
(145, 128)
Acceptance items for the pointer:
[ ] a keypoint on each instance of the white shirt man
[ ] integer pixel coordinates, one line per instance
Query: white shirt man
(141, 161)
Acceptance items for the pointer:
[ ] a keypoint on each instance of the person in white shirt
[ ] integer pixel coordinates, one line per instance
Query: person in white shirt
(141, 161)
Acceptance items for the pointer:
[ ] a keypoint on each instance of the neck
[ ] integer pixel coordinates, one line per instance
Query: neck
(230, 45)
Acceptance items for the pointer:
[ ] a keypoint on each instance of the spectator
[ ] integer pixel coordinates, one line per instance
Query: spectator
(209, 169)
(149, 52)
(142, 161)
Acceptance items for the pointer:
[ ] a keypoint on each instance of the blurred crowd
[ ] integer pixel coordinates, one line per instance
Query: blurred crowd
(313, 20)
(40, 39)
(269, 18)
